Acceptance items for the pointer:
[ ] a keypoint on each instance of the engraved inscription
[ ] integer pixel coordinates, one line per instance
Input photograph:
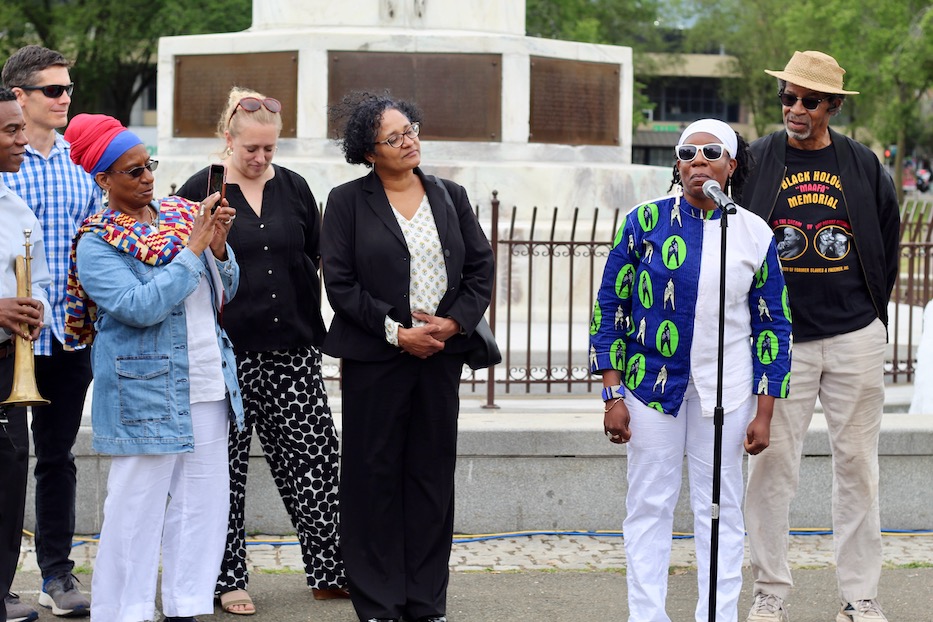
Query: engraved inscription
(574, 102)
(460, 94)
(203, 81)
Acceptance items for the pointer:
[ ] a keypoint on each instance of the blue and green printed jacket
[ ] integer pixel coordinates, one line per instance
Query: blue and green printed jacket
(657, 310)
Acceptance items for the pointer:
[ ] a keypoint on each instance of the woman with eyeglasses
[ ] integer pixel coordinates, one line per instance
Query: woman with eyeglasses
(409, 274)
(657, 355)
(146, 285)
(276, 327)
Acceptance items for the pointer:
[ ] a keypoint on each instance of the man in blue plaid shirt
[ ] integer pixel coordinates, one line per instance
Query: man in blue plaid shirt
(62, 195)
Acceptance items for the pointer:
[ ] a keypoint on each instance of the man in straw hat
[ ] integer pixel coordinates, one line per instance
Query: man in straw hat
(812, 178)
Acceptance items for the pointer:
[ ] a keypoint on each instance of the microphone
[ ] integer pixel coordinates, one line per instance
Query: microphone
(713, 190)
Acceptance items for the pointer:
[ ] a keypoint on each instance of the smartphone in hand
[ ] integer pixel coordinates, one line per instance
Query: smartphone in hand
(216, 182)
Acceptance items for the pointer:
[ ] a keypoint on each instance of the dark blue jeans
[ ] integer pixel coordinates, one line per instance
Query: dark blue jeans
(63, 379)
(14, 466)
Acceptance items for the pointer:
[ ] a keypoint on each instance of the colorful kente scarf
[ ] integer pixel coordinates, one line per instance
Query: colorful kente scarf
(155, 247)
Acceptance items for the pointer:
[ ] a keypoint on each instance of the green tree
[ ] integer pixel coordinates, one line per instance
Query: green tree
(113, 44)
(617, 22)
(634, 23)
(890, 64)
(885, 46)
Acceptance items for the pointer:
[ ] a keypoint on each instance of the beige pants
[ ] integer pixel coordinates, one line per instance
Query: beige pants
(846, 372)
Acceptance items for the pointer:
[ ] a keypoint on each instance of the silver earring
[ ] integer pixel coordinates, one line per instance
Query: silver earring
(228, 152)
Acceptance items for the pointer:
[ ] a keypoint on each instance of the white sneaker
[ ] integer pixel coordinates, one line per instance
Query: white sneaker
(768, 608)
(861, 611)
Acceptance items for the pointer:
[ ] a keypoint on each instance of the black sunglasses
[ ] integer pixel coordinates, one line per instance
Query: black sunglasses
(137, 171)
(810, 103)
(52, 91)
(712, 151)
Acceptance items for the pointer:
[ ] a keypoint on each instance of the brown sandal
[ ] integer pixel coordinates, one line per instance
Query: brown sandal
(330, 593)
(234, 598)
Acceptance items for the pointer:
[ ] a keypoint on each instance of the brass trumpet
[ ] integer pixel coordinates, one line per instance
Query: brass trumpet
(25, 391)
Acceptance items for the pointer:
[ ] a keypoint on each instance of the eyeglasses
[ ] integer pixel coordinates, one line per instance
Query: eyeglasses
(137, 171)
(712, 151)
(52, 91)
(810, 103)
(252, 104)
(395, 140)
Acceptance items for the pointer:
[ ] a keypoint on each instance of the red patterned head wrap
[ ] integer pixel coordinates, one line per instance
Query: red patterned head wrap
(97, 141)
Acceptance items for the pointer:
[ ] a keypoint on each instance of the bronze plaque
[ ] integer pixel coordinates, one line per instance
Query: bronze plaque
(574, 102)
(202, 83)
(460, 94)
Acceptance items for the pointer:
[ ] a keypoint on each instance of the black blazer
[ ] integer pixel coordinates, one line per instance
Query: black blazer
(365, 263)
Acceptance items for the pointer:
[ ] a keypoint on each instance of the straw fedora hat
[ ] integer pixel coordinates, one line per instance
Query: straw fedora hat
(815, 71)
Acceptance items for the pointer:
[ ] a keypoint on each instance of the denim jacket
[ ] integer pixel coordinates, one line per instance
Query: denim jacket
(141, 403)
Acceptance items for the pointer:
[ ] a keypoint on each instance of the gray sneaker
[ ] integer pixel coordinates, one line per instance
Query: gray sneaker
(767, 608)
(61, 595)
(861, 611)
(17, 611)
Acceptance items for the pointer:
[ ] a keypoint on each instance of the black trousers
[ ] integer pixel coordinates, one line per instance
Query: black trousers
(14, 465)
(399, 451)
(63, 379)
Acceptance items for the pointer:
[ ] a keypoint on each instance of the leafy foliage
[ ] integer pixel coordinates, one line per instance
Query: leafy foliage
(113, 44)
(886, 47)
(632, 23)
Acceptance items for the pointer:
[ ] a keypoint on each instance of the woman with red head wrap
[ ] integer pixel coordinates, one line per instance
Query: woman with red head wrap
(146, 285)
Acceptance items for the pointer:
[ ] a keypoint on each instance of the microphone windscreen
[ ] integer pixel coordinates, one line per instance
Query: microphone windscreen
(709, 186)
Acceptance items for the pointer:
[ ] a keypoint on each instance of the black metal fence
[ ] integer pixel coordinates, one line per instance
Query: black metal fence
(549, 265)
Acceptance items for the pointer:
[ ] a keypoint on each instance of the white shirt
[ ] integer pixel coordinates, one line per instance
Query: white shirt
(427, 268)
(205, 375)
(16, 217)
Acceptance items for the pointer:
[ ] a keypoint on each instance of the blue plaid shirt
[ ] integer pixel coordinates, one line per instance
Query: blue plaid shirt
(62, 195)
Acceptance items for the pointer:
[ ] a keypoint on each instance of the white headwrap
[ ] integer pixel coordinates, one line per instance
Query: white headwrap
(717, 128)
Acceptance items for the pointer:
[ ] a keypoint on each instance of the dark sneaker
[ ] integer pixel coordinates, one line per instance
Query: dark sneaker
(61, 595)
(17, 611)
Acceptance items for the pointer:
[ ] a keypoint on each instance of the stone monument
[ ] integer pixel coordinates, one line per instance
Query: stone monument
(544, 122)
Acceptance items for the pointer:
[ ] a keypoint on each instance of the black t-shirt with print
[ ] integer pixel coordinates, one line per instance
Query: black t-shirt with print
(828, 293)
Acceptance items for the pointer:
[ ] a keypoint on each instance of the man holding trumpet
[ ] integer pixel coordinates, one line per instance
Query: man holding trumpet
(21, 319)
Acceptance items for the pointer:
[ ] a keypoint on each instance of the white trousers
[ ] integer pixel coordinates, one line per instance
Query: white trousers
(846, 372)
(176, 502)
(655, 465)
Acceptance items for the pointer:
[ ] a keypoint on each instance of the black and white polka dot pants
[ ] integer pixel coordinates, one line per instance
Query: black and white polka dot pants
(285, 401)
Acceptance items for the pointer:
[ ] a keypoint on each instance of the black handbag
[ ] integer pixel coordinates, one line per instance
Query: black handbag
(482, 351)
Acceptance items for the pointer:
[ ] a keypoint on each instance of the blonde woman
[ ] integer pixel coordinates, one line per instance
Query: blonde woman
(276, 326)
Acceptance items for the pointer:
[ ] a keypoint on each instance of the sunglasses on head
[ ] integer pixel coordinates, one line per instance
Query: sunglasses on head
(52, 91)
(810, 103)
(252, 104)
(137, 171)
(712, 151)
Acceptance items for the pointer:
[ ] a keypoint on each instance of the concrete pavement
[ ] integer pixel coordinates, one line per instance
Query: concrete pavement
(575, 577)
(551, 578)
(534, 596)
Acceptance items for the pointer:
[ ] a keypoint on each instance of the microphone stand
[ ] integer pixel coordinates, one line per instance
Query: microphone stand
(718, 417)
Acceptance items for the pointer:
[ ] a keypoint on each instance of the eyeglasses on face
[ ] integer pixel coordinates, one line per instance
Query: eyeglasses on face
(810, 103)
(395, 140)
(252, 104)
(712, 151)
(52, 91)
(137, 171)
